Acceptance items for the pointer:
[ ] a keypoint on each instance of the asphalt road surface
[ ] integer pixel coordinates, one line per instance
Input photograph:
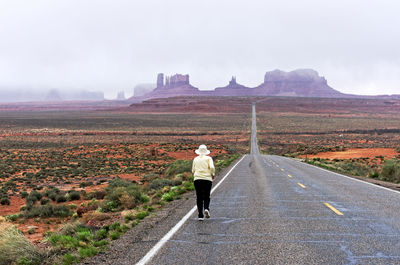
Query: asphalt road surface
(275, 210)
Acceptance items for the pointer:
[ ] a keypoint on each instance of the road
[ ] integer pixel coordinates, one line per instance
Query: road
(275, 210)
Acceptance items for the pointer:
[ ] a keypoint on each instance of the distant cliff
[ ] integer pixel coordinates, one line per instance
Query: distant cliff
(170, 86)
(298, 83)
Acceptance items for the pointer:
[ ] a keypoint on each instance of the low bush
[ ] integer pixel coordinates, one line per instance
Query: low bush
(36, 194)
(159, 183)
(69, 259)
(98, 194)
(123, 195)
(391, 171)
(88, 252)
(374, 174)
(169, 196)
(115, 235)
(44, 201)
(188, 185)
(141, 215)
(101, 234)
(74, 196)
(48, 210)
(13, 217)
(5, 201)
(69, 228)
(61, 198)
(63, 241)
(84, 234)
(179, 166)
(100, 243)
(86, 184)
(95, 215)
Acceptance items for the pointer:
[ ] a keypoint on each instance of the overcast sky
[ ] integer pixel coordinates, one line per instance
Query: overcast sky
(113, 45)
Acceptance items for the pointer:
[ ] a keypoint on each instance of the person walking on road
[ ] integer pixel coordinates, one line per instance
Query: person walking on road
(204, 172)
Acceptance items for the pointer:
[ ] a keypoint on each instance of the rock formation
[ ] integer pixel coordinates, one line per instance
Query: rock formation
(298, 83)
(232, 89)
(175, 85)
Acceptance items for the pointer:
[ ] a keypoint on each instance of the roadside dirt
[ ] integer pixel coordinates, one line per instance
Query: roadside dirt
(357, 153)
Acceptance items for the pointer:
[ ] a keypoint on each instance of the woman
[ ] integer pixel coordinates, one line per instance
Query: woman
(204, 172)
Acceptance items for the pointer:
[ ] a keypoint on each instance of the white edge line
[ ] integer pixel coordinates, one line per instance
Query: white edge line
(365, 182)
(174, 229)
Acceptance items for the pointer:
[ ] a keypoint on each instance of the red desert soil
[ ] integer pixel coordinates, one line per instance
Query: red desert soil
(357, 153)
(15, 205)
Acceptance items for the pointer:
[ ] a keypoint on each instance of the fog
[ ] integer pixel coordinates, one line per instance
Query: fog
(113, 45)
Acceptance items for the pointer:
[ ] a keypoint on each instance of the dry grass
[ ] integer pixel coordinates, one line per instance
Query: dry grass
(14, 245)
(98, 216)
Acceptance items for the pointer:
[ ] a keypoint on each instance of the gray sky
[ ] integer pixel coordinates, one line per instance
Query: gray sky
(113, 45)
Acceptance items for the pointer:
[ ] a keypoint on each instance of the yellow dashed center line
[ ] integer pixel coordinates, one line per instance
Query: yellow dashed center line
(301, 185)
(333, 208)
(290, 176)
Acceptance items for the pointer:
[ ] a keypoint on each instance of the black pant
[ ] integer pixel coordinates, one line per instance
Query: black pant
(203, 189)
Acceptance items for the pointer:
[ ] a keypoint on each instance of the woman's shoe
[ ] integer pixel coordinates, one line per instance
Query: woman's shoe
(207, 213)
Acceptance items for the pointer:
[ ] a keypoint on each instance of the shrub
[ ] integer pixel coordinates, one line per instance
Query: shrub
(36, 194)
(115, 235)
(84, 235)
(30, 201)
(101, 234)
(94, 215)
(123, 194)
(13, 217)
(100, 243)
(374, 174)
(169, 196)
(97, 194)
(74, 195)
(69, 259)
(159, 183)
(391, 171)
(48, 210)
(179, 166)
(15, 247)
(88, 252)
(61, 198)
(189, 185)
(69, 228)
(124, 228)
(115, 226)
(44, 201)
(63, 241)
(144, 198)
(129, 217)
(86, 184)
(5, 201)
(52, 196)
(117, 183)
(23, 194)
(141, 215)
